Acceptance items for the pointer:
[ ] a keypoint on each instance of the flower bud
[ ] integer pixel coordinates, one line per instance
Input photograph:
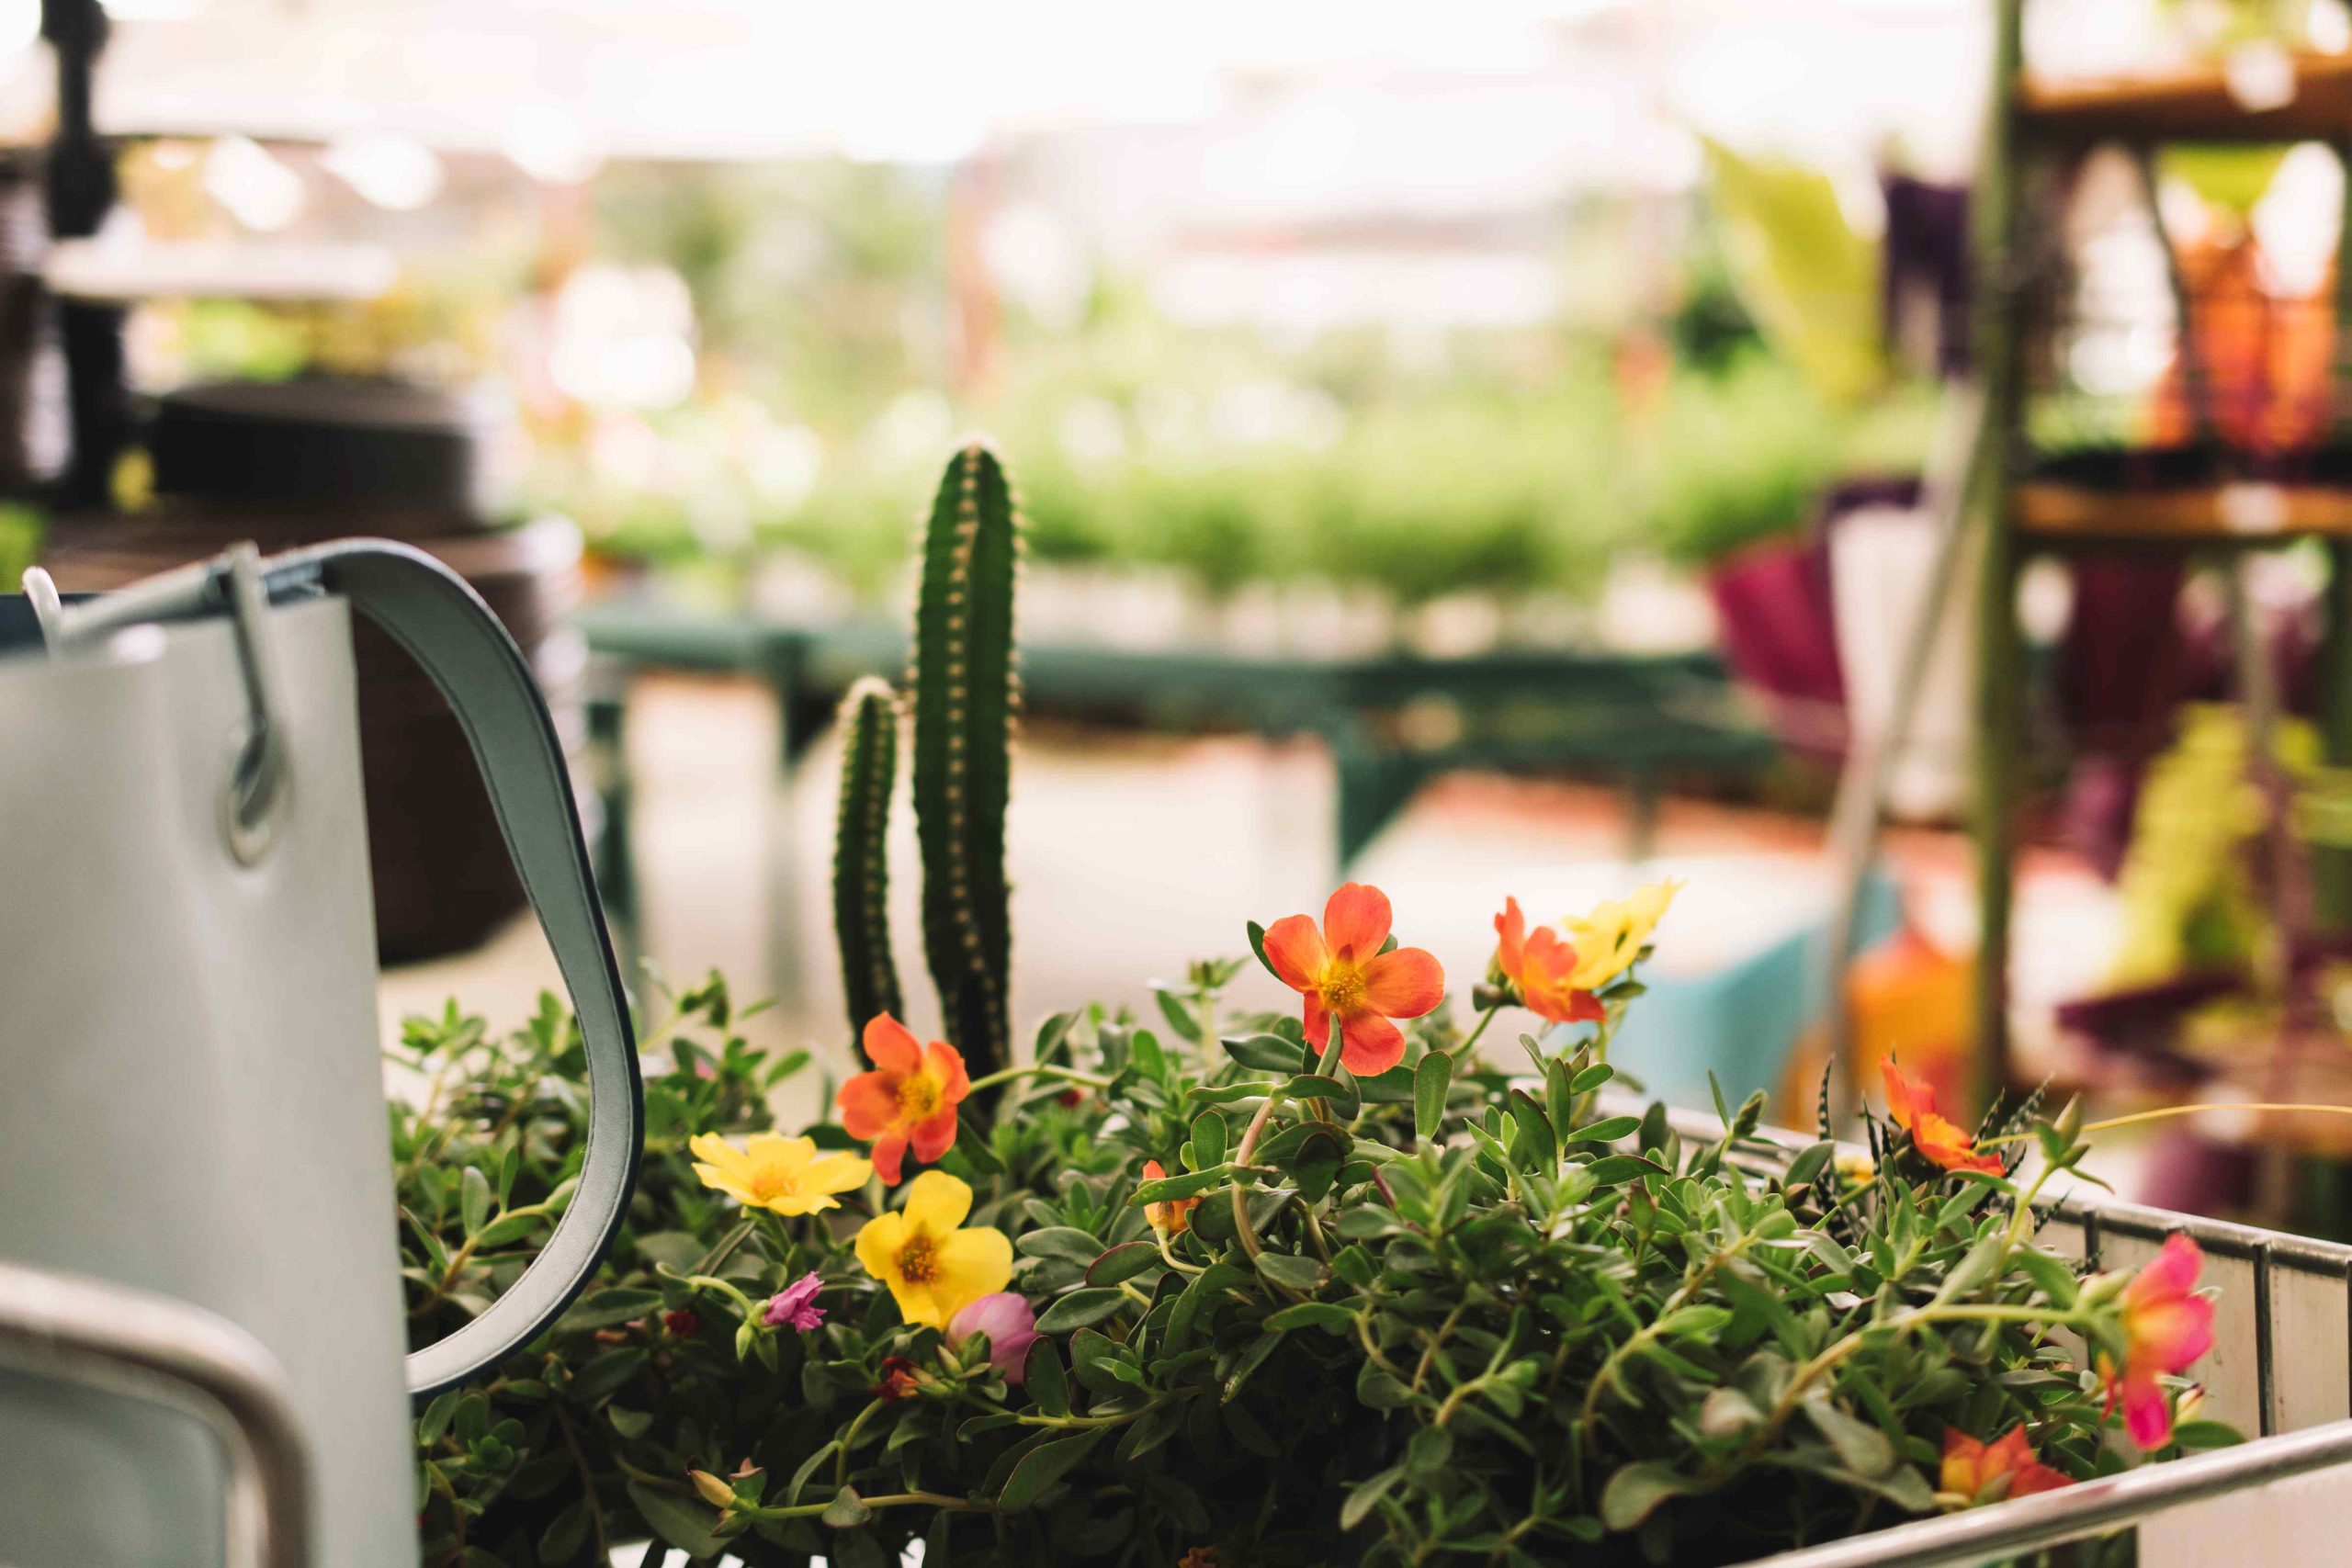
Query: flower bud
(715, 1491)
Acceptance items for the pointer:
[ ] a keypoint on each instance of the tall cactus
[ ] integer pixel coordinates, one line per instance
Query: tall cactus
(869, 725)
(966, 694)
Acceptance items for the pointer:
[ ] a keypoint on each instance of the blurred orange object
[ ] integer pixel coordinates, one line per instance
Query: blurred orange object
(1907, 998)
(1911, 1000)
(2267, 359)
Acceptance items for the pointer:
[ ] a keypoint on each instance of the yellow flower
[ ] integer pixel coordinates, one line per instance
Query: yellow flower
(787, 1175)
(1609, 939)
(934, 1270)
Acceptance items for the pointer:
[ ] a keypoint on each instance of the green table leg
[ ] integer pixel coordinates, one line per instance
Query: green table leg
(614, 855)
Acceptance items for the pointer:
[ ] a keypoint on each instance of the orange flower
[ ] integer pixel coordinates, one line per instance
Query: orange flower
(1542, 966)
(1173, 1217)
(1913, 1105)
(908, 1097)
(2166, 1327)
(1970, 1466)
(1343, 973)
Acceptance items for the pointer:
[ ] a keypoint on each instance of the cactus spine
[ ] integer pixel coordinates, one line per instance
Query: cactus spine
(869, 724)
(965, 694)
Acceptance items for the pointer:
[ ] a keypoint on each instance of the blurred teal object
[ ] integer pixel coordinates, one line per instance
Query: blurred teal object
(1742, 1020)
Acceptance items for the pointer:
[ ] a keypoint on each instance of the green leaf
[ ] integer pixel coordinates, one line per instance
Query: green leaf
(1810, 1163)
(1041, 1467)
(1180, 1017)
(1430, 1080)
(1807, 278)
(1607, 1130)
(1043, 1378)
(1428, 1453)
(682, 1521)
(1366, 1497)
(1080, 1309)
(1862, 1447)
(1258, 946)
(1209, 1137)
(1189, 1184)
(474, 1198)
(1311, 1086)
(1123, 1262)
(1637, 1490)
(507, 1228)
(435, 1419)
(846, 1511)
(1066, 1241)
(1265, 1053)
(1393, 1087)
(1592, 1077)
(2194, 1434)
(1535, 1149)
(1314, 1314)
(608, 1309)
(565, 1534)
(1287, 1269)
(1610, 1170)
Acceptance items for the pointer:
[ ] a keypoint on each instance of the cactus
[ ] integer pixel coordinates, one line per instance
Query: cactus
(965, 695)
(869, 724)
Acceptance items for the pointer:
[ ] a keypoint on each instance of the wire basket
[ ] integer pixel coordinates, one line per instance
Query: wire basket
(2280, 1370)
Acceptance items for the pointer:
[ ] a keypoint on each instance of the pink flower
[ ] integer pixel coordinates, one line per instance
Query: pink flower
(1012, 1327)
(795, 1306)
(2166, 1327)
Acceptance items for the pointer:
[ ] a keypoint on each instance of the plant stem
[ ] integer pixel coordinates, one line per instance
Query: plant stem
(1121, 1419)
(1056, 1074)
(840, 1455)
(1462, 1049)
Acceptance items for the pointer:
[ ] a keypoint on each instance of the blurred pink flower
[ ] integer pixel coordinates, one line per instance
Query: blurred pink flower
(795, 1306)
(1011, 1328)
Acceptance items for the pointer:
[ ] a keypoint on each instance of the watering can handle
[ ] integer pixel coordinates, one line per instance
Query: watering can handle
(446, 628)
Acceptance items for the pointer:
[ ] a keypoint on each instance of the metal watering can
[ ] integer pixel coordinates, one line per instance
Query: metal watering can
(191, 1100)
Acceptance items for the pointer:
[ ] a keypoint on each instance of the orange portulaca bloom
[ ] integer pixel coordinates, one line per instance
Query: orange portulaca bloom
(1343, 973)
(1970, 1466)
(2166, 1326)
(1544, 966)
(1913, 1105)
(1174, 1216)
(909, 1098)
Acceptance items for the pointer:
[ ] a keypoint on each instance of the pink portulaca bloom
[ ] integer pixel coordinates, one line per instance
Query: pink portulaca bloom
(1012, 1327)
(795, 1306)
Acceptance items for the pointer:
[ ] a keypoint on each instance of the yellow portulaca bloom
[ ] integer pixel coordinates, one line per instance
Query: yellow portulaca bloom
(1609, 939)
(787, 1175)
(934, 1269)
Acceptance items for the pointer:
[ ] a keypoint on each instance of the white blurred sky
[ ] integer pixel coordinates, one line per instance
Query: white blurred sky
(1492, 91)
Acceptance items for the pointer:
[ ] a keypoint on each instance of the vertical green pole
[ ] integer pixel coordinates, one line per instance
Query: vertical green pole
(2000, 698)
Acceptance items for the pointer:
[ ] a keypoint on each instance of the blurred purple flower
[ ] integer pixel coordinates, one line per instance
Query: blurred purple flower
(795, 1306)
(1011, 1328)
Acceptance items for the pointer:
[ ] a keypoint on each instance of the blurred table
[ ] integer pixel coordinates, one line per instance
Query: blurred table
(1392, 721)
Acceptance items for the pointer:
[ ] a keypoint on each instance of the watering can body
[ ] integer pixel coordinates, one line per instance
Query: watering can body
(191, 1094)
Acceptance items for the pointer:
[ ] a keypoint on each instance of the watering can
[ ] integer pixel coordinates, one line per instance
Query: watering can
(191, 1097)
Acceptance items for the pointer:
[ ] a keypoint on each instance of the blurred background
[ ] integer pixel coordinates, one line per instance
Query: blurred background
(1524, 448)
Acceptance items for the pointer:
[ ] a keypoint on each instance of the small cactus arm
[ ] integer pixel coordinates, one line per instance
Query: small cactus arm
(869, 725)
(965, 694)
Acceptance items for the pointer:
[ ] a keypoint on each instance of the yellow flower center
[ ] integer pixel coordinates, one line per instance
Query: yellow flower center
(1343, 987)
(770, 1182)
(917, 1097)
(918, 1261)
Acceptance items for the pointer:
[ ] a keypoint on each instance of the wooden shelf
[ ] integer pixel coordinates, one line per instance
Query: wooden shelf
(2193, 104)
(2222, 514)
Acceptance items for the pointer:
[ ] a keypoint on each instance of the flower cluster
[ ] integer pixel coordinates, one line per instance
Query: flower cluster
(1316, 1285)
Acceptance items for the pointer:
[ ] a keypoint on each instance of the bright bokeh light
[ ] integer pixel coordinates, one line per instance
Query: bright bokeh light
(397, 173)
(259, 190)
(624, 338)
